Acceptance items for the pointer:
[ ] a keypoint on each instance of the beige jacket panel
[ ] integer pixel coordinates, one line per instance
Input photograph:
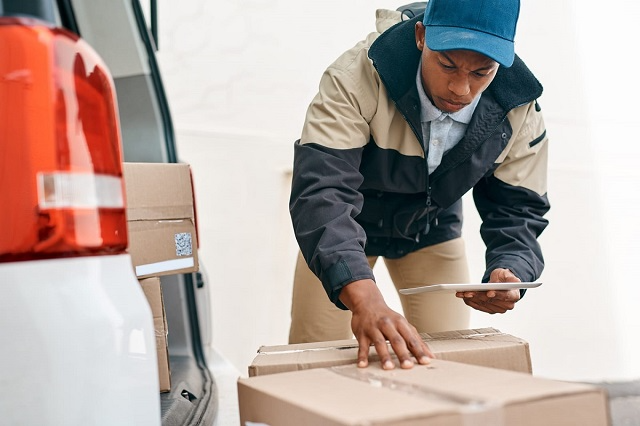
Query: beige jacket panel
(385, 19)
(339, 114)
(521, 164)
(352, 105)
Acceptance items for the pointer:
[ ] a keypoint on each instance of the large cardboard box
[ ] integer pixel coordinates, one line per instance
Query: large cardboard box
(153, 291)
(160, 218)
(486, 347)
(445, 393)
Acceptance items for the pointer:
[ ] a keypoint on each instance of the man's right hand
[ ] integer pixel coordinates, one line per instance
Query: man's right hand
(373, 322)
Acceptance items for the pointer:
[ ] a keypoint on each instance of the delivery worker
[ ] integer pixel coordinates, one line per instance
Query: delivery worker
(404, 124)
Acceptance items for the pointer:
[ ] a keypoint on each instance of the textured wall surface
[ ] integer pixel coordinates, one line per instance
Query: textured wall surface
(239, 75)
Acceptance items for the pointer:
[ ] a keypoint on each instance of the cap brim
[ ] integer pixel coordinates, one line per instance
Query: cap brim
(454, 38)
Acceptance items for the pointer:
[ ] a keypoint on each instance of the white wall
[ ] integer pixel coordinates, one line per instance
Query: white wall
(239, 75)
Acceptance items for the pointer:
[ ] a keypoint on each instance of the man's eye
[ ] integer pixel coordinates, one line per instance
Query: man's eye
(480, 75)
(447, 67)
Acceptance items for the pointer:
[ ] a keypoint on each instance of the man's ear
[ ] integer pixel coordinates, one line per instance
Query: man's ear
(420, 35)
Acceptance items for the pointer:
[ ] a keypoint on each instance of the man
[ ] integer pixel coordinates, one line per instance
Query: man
(404, 124)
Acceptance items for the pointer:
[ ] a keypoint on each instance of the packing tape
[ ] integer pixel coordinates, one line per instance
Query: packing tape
(478, 335)
(474, 411)
(481, 335)
(295, 351)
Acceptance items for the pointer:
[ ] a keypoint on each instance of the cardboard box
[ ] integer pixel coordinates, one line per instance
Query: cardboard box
(153, 291)
(160, 218)
(486, 347)
(444, 393)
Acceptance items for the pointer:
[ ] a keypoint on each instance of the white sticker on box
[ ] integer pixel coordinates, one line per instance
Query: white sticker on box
(167, 265)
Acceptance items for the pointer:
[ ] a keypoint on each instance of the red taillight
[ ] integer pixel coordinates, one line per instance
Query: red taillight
(61, 190)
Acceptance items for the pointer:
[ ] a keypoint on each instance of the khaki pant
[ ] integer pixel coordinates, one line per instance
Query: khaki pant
(315, 319)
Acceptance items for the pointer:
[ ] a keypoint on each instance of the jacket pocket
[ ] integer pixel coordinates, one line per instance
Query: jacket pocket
(537, 140)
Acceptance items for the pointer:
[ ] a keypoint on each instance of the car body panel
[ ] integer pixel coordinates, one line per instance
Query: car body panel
(73, 329)
(118, 32)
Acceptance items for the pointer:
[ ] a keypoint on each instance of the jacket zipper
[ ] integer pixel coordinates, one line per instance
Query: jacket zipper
(427, 228)
(504, 117)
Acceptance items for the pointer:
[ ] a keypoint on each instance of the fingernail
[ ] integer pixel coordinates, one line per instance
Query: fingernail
(388, 365)
(407, 363)
(362, 364)
(425, 360)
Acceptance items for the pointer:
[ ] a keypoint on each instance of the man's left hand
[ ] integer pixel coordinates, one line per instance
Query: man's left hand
(493, 301)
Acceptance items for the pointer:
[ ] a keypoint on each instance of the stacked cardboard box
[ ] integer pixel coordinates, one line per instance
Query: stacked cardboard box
(153, 291)
(444, 393)
(160, 218)
(162, 237)
(485, 347)
(480, 377)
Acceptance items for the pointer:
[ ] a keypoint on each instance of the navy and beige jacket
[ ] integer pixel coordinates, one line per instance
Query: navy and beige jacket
(360, 183)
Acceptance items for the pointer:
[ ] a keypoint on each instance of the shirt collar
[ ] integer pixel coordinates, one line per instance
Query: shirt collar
(429, 112)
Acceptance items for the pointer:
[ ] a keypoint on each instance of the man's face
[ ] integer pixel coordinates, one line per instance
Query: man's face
(452, 79)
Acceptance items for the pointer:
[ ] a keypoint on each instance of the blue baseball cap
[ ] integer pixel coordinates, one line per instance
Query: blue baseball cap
(484, 26)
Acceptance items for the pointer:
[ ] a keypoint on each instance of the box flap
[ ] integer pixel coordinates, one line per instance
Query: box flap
(162, 248)
(158, 191)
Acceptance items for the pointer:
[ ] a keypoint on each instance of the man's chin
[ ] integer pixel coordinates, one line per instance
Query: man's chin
(449, 107)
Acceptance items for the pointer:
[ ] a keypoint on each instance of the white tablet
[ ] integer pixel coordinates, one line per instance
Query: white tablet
(470, 287)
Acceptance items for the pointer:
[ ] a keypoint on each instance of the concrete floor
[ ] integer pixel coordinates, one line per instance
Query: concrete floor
(226, 377)
(624, 399)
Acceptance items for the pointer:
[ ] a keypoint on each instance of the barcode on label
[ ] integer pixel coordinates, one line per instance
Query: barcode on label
(183, 244)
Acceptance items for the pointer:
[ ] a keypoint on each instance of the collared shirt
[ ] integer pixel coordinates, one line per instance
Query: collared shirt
(441, 130)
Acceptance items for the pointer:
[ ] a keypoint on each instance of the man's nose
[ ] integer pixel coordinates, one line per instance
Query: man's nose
(459, 85)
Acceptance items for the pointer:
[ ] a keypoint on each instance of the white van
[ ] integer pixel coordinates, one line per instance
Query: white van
(80, 93)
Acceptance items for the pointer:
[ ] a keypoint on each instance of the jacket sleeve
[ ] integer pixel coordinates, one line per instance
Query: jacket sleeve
(324, 196)
(513, 200)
